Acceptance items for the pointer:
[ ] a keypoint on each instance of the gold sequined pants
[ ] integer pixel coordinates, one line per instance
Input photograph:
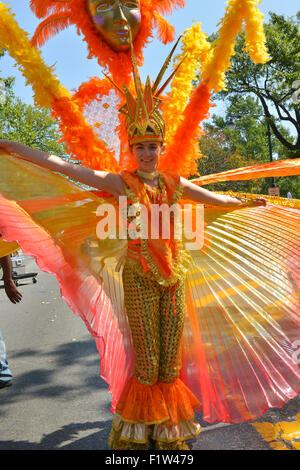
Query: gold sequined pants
(156, 316)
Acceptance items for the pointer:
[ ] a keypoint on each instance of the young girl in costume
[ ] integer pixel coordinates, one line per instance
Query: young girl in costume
(215, 335)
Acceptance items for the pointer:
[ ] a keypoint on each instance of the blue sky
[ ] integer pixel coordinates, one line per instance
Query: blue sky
(68, 52)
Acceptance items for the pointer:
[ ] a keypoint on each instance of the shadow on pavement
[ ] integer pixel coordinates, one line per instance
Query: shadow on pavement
(69, 437)
(71, 368)
(94, 436)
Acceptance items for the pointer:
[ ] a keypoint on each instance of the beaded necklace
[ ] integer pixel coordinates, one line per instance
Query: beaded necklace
(156, 194)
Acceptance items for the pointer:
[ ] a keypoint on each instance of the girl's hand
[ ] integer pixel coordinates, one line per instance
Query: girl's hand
(258, 201)
(248, 202)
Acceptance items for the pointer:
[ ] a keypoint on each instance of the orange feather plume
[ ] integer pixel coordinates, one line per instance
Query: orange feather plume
(49, 27)
(181, 154)
(166, 32)
(42, 8)
(80, 138)
(89, 91)
(167, 6)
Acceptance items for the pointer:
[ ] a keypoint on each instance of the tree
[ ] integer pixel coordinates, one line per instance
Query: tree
(219, 156)
(272, 83)
(239, 139)
(27, 124)
(247, 127)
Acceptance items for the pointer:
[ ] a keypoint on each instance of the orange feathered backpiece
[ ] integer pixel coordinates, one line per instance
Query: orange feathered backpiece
(242, 305)
(182, 148)
(58, 15)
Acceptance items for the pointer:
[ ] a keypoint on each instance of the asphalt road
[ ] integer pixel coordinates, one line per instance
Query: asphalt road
(59, 402)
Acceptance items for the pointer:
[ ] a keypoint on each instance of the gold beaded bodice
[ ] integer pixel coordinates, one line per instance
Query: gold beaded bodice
(165, 259)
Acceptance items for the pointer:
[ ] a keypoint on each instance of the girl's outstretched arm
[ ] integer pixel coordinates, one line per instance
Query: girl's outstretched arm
(109, 182)
(195, 193)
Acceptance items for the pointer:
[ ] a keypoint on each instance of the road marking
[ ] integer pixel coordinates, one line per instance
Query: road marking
(284, 435)
(215, 426)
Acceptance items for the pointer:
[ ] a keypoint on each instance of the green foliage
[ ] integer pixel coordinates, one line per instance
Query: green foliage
(220, 155)
(246, 128)
(243, 142)
(272, 82)
(258, 98)
(27, 124)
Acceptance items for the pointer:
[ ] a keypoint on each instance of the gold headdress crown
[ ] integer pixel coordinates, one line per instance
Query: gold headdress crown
(143, 118)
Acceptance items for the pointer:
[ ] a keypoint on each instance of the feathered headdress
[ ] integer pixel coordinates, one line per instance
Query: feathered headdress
(143, 119)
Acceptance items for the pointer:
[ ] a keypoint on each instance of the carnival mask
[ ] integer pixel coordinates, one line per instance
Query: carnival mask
(114, 18)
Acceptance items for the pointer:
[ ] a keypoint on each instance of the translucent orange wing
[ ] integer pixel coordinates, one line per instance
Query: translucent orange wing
(243, 312)
(55, 221)
(285, 167)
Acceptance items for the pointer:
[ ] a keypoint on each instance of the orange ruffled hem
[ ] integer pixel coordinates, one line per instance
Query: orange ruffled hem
(171, 403)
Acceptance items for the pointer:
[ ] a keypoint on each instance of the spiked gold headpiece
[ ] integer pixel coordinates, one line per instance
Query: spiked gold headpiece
(143, 118)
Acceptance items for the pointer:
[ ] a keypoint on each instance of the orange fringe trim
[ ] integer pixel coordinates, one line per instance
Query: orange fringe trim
(82, 142)
(170, 403)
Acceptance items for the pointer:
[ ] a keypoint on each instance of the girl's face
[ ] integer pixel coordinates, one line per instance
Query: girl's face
(113, 18)
(147, 154)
